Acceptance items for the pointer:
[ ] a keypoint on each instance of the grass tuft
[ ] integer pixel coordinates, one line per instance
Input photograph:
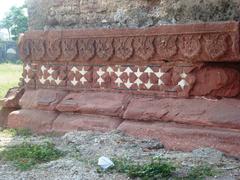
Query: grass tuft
(201, 172)
(25, 156)
(156, 169)
(15, 132)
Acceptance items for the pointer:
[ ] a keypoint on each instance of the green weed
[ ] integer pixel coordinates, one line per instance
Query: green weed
(25, 156)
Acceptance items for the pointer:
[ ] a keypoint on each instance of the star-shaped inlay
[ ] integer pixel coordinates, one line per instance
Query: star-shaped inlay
(183, 75)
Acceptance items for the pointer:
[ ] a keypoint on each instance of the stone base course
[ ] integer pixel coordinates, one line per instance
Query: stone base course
(204, 112)
(111, 104)
(185, 138)
(181, 124)
(36, 120)
(72, 122)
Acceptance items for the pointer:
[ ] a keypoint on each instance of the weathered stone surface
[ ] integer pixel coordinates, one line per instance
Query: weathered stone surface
(185, 138)
(111, 104)
(36, 120)
(11, 100)
(217, 81)
(52, 14)
(217, 113)
(72, 122)
(4, 112)
(43, 99)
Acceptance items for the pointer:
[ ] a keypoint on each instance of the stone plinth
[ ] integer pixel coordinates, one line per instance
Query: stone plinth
(169, 82)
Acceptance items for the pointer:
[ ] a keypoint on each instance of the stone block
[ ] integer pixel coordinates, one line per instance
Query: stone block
(43, 99)
(102, 103)
(202, 112)
(66, 122)
(37, 120)
(185, 138)
(11, 100)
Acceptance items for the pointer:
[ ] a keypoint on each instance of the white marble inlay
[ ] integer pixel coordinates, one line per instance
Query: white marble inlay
(110, 70)
(82, 71)
(74, 82)
(128, 70)
(74, 70)
(27, 68)
(100, 72)
(149, 84)
(42, 80)
(128, 84)
(50, 71)
(27, 79)
(58, 81)
(138, 82)
(138, 73)
(183, 75)
(183, 83)
(118, 81)
(50, 79)
(83, 80)
(43, 68)
(118, 73)
(100, 80)
(148, 70)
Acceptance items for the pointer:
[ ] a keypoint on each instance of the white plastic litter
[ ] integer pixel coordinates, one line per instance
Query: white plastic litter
(105, 162)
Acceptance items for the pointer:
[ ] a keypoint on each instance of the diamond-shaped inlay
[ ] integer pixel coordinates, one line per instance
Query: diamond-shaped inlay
(27, 68)
(183, 83)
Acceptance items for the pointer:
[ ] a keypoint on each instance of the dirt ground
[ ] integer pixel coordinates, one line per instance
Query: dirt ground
(82, 150)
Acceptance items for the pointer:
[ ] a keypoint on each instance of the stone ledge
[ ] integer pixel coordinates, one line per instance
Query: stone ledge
(66, 122)
(99, 103)
(200, 112)
(36, 120)
(42, 99)
(185, 138)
